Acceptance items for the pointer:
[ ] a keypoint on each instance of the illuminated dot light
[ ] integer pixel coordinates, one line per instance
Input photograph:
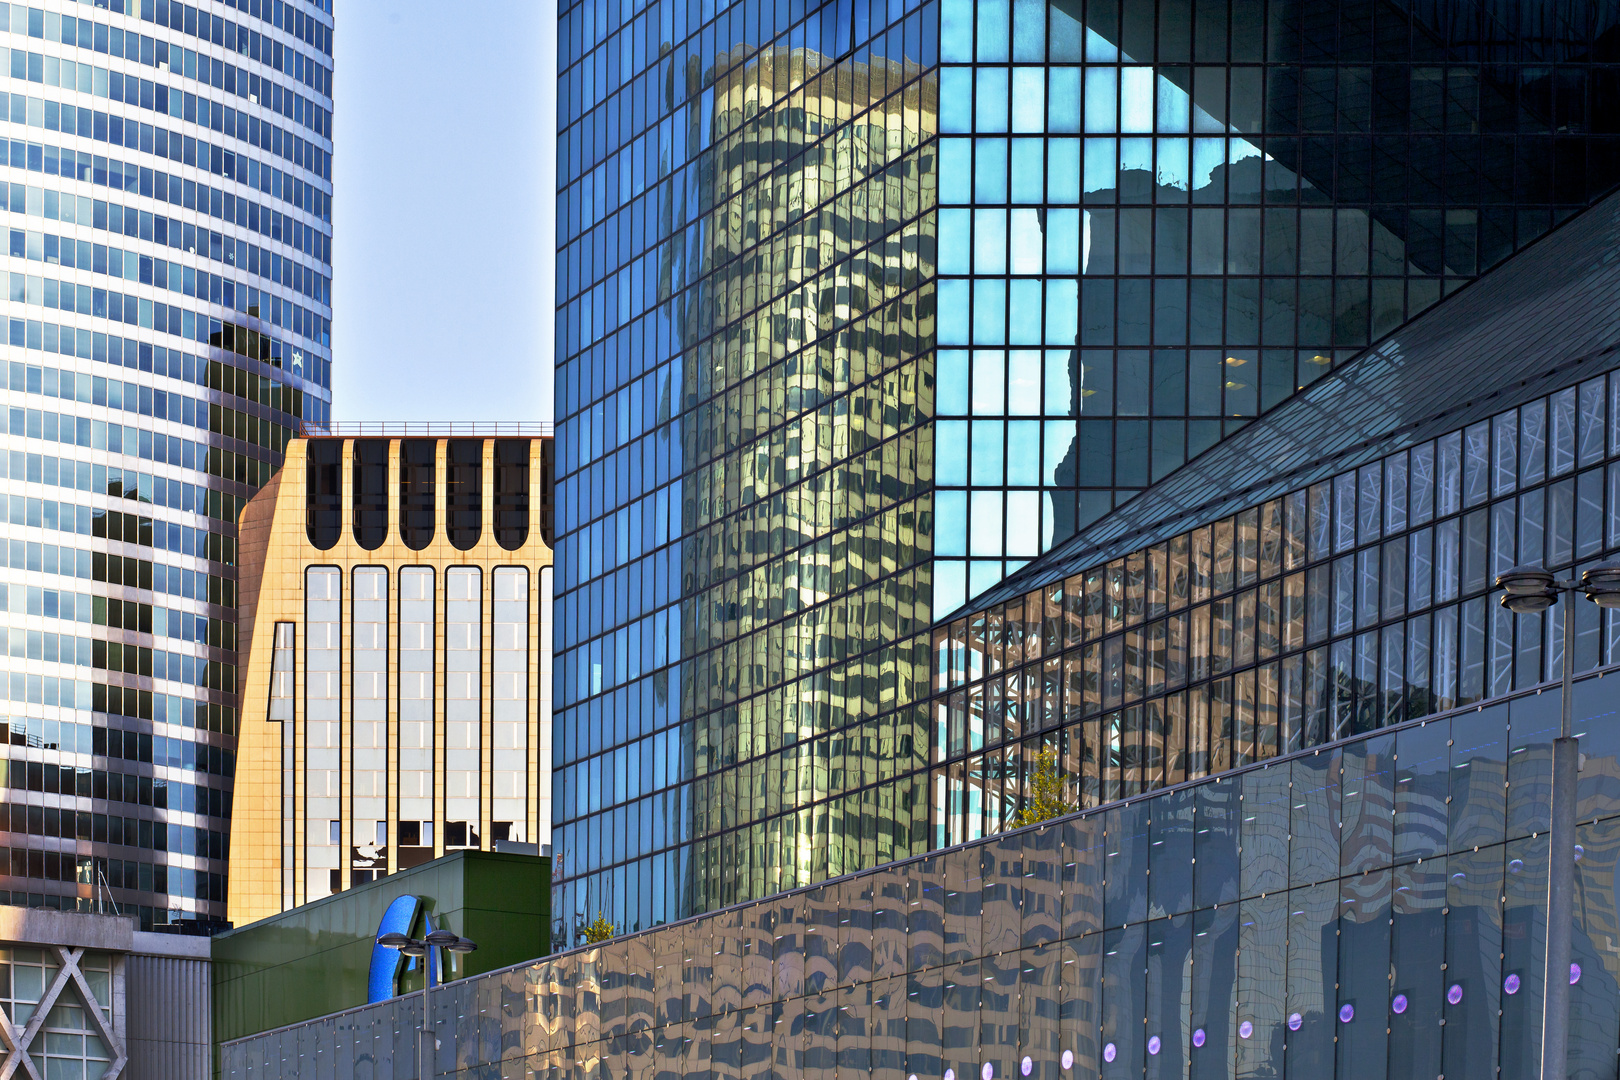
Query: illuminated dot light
(1347, 1013)
(1398, 1006)
(950, 1074)
(1454, 993)
(1068, 1059)
(1154, 1045)
(1245, 1029)
(1026, 1066)
(1110, 1052)
(1199, 1037)
(988, 1071)
(1574, 974)
(1511, 984)
(1295, 1021)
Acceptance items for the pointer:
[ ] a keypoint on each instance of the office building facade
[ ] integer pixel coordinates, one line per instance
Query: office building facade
(864, 307)
(168, 205)
(396, 698)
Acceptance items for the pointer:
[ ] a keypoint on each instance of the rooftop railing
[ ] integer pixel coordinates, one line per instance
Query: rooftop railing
(427, 429)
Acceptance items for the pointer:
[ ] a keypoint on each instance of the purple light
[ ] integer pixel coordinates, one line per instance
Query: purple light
(1154, 1045)
(988, 1071)
(1580, 853)
(1295, 1021)
(1398, 1006)
(1068, 1060)
(950, 1074)
(1026, 1066)
(1515, 865)
(1511, 984)
(1110, 1052)
(1574, 974)
(1454, 993)
(1347, 1013)
(1199, 1037)
(1245, 1029)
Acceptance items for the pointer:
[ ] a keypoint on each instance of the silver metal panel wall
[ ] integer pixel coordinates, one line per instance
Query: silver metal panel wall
(169, 1024)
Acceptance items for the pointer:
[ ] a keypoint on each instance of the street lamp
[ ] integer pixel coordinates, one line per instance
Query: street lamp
(437, 939)
(1531, 590)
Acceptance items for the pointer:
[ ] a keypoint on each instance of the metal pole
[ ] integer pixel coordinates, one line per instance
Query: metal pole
(1561, 871)
(424, 1038)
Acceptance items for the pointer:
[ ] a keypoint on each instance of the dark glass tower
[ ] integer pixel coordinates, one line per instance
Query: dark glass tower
(861, 308)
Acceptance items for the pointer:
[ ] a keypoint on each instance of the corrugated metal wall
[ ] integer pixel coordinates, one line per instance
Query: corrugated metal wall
(169, 1022)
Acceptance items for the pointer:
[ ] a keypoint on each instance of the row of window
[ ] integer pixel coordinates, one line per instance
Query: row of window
(171, 752)
(111, 393)
(114, 40)
(114, 438)
(1349, 99)
(168, 57)
(1519, 450)
(125, 874)
(53, 160)
(119, 614)
(48, 778)
(240, 167)
(157, 315)
(24, 687)
(98, 82)
(132, 266)
(152, 401)
(46, 647)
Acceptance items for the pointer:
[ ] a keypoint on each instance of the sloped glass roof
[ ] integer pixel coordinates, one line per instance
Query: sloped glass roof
(1547, 318)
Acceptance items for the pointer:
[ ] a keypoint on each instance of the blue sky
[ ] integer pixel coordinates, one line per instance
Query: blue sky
(441, 279)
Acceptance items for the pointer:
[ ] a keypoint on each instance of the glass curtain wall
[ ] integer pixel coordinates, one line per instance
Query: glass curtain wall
(1353, 604)
(1160, 219)
(1128, 229)
(165, 235)
(745, 326)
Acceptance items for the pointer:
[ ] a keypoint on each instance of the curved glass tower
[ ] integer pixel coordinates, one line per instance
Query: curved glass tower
(166, 203)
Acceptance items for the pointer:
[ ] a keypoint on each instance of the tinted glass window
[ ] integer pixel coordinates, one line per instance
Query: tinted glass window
(370, 492)
(464, 491)
(323, 497)
(416, 477)
(511, 493)
(547, 492)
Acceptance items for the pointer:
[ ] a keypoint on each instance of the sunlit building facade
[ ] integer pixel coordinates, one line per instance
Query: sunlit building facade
(166, 200)
(862, 308)
(396, 685)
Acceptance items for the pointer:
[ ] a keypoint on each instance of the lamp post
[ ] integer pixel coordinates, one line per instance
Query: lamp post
(1530, 590)
(423, 947)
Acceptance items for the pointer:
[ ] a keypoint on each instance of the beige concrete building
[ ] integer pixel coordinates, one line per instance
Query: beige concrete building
(396, 658)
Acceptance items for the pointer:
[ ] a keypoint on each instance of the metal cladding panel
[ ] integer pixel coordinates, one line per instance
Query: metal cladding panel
(169, 1027)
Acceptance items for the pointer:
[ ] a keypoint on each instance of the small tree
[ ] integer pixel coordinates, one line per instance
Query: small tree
(599, 930)
(1046, 793)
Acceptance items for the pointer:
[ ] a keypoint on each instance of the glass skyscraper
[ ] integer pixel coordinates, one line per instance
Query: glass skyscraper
(168, 205)
(864, 307)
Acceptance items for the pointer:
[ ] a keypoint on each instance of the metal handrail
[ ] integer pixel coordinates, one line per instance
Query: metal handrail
(426, 428)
